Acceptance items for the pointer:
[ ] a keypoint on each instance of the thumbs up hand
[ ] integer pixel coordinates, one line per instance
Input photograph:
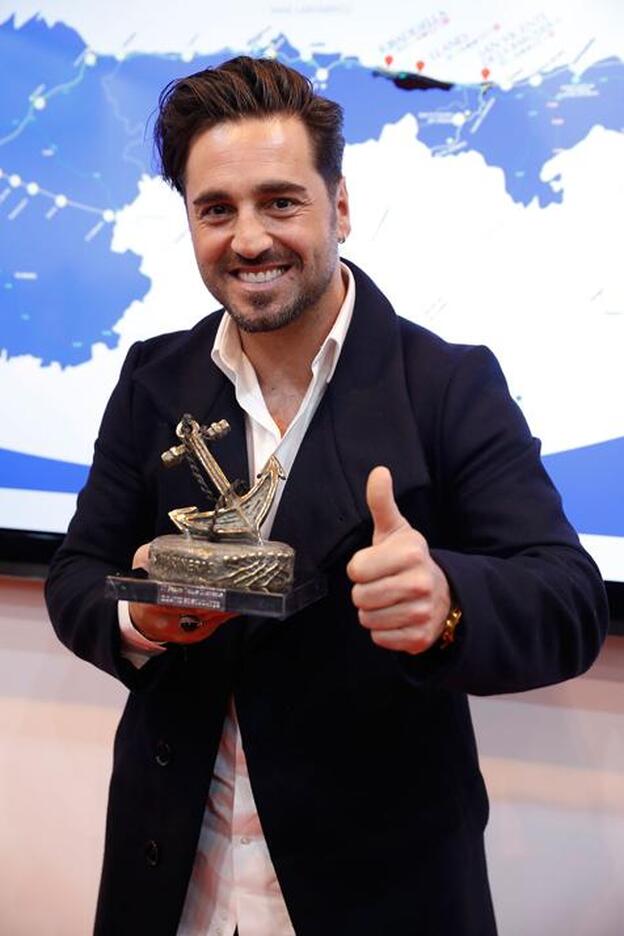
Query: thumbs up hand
(401, 594)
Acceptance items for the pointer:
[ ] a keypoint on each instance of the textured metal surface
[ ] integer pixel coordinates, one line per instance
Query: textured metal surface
(262, 567)
(235, 516)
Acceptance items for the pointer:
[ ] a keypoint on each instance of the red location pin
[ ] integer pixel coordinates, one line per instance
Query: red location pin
(420, 65)
(389, 59)
(486, 73)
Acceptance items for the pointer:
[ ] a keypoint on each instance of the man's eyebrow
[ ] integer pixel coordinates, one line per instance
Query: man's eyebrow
(211, 195)
(280, 187)
(270, 187)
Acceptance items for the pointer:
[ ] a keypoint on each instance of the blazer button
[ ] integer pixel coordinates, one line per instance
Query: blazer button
(152, 853)
(163, 754)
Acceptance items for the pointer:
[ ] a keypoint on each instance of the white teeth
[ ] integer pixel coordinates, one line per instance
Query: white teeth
(263, 276)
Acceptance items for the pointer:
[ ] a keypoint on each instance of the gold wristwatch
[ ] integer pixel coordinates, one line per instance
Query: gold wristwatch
(447, 637)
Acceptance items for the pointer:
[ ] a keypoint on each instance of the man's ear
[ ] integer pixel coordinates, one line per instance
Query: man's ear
(341, 204)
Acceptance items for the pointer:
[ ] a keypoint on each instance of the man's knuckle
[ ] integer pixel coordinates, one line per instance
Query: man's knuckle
(413, 553)
(412, 587)
(416, 640)
(354, 568)
(380, 638)
(421, 610)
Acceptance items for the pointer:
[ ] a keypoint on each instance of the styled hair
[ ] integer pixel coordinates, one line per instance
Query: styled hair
(244, 87)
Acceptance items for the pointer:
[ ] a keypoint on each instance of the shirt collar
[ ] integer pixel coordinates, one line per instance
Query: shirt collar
(227, 352)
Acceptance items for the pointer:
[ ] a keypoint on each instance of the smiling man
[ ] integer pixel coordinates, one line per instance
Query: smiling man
(264, 224)
(316, 776)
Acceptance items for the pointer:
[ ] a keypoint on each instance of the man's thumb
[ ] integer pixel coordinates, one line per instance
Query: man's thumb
(382, 505)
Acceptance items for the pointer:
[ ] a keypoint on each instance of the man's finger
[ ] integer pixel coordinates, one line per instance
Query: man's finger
(386, 515)
(141, 557)
(165, 623)
(407, 614)
(407, 640)
(392, 589)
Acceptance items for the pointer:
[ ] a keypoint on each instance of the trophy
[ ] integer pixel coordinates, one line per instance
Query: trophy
(219, 560)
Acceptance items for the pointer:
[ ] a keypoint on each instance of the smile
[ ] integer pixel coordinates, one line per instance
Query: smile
(260, 276)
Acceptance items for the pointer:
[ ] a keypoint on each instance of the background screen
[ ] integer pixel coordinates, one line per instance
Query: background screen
(484, 162)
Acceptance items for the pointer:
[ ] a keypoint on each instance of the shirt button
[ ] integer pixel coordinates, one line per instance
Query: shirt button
(245, 840)
(163, 753)
(152, 853)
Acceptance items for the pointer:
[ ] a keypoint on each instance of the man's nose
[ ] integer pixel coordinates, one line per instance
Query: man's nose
(251, 237)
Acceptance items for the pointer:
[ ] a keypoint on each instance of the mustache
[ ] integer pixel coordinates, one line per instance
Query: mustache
(267, 256)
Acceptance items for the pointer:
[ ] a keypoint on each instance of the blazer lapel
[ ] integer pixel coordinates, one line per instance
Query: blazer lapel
(185, 380)
(364, 419)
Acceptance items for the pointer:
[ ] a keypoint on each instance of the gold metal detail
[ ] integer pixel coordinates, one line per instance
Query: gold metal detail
(222, 547)
(447, 637)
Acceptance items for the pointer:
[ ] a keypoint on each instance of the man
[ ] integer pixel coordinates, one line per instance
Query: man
(317, 775)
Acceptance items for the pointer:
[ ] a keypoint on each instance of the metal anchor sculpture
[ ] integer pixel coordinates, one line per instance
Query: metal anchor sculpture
(236, 517)
(222, 547)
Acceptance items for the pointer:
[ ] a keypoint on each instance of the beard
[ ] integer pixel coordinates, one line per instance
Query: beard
(261, 313)
(288, 312)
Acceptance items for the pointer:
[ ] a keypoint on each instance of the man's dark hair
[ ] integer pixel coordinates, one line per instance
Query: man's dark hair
(245, 87)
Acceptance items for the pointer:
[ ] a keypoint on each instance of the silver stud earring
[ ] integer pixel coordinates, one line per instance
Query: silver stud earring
(341, 239)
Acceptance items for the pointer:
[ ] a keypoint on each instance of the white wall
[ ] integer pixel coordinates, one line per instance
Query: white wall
(553, 760)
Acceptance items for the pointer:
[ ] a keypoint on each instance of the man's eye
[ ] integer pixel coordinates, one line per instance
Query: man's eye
(214, 211)
(282, 203)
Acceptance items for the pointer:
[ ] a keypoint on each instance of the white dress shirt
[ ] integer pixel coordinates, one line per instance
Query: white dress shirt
(233, 882)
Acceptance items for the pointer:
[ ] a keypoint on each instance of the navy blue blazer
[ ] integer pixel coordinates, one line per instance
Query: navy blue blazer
(362, 760)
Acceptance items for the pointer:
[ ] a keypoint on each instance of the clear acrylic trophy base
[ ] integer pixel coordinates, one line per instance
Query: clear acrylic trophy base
(239, 601)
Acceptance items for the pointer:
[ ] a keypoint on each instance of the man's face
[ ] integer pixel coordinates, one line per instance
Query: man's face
(263, 225)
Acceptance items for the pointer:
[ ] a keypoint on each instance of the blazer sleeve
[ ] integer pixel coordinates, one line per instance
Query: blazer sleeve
(114, 515)
(533, 601)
